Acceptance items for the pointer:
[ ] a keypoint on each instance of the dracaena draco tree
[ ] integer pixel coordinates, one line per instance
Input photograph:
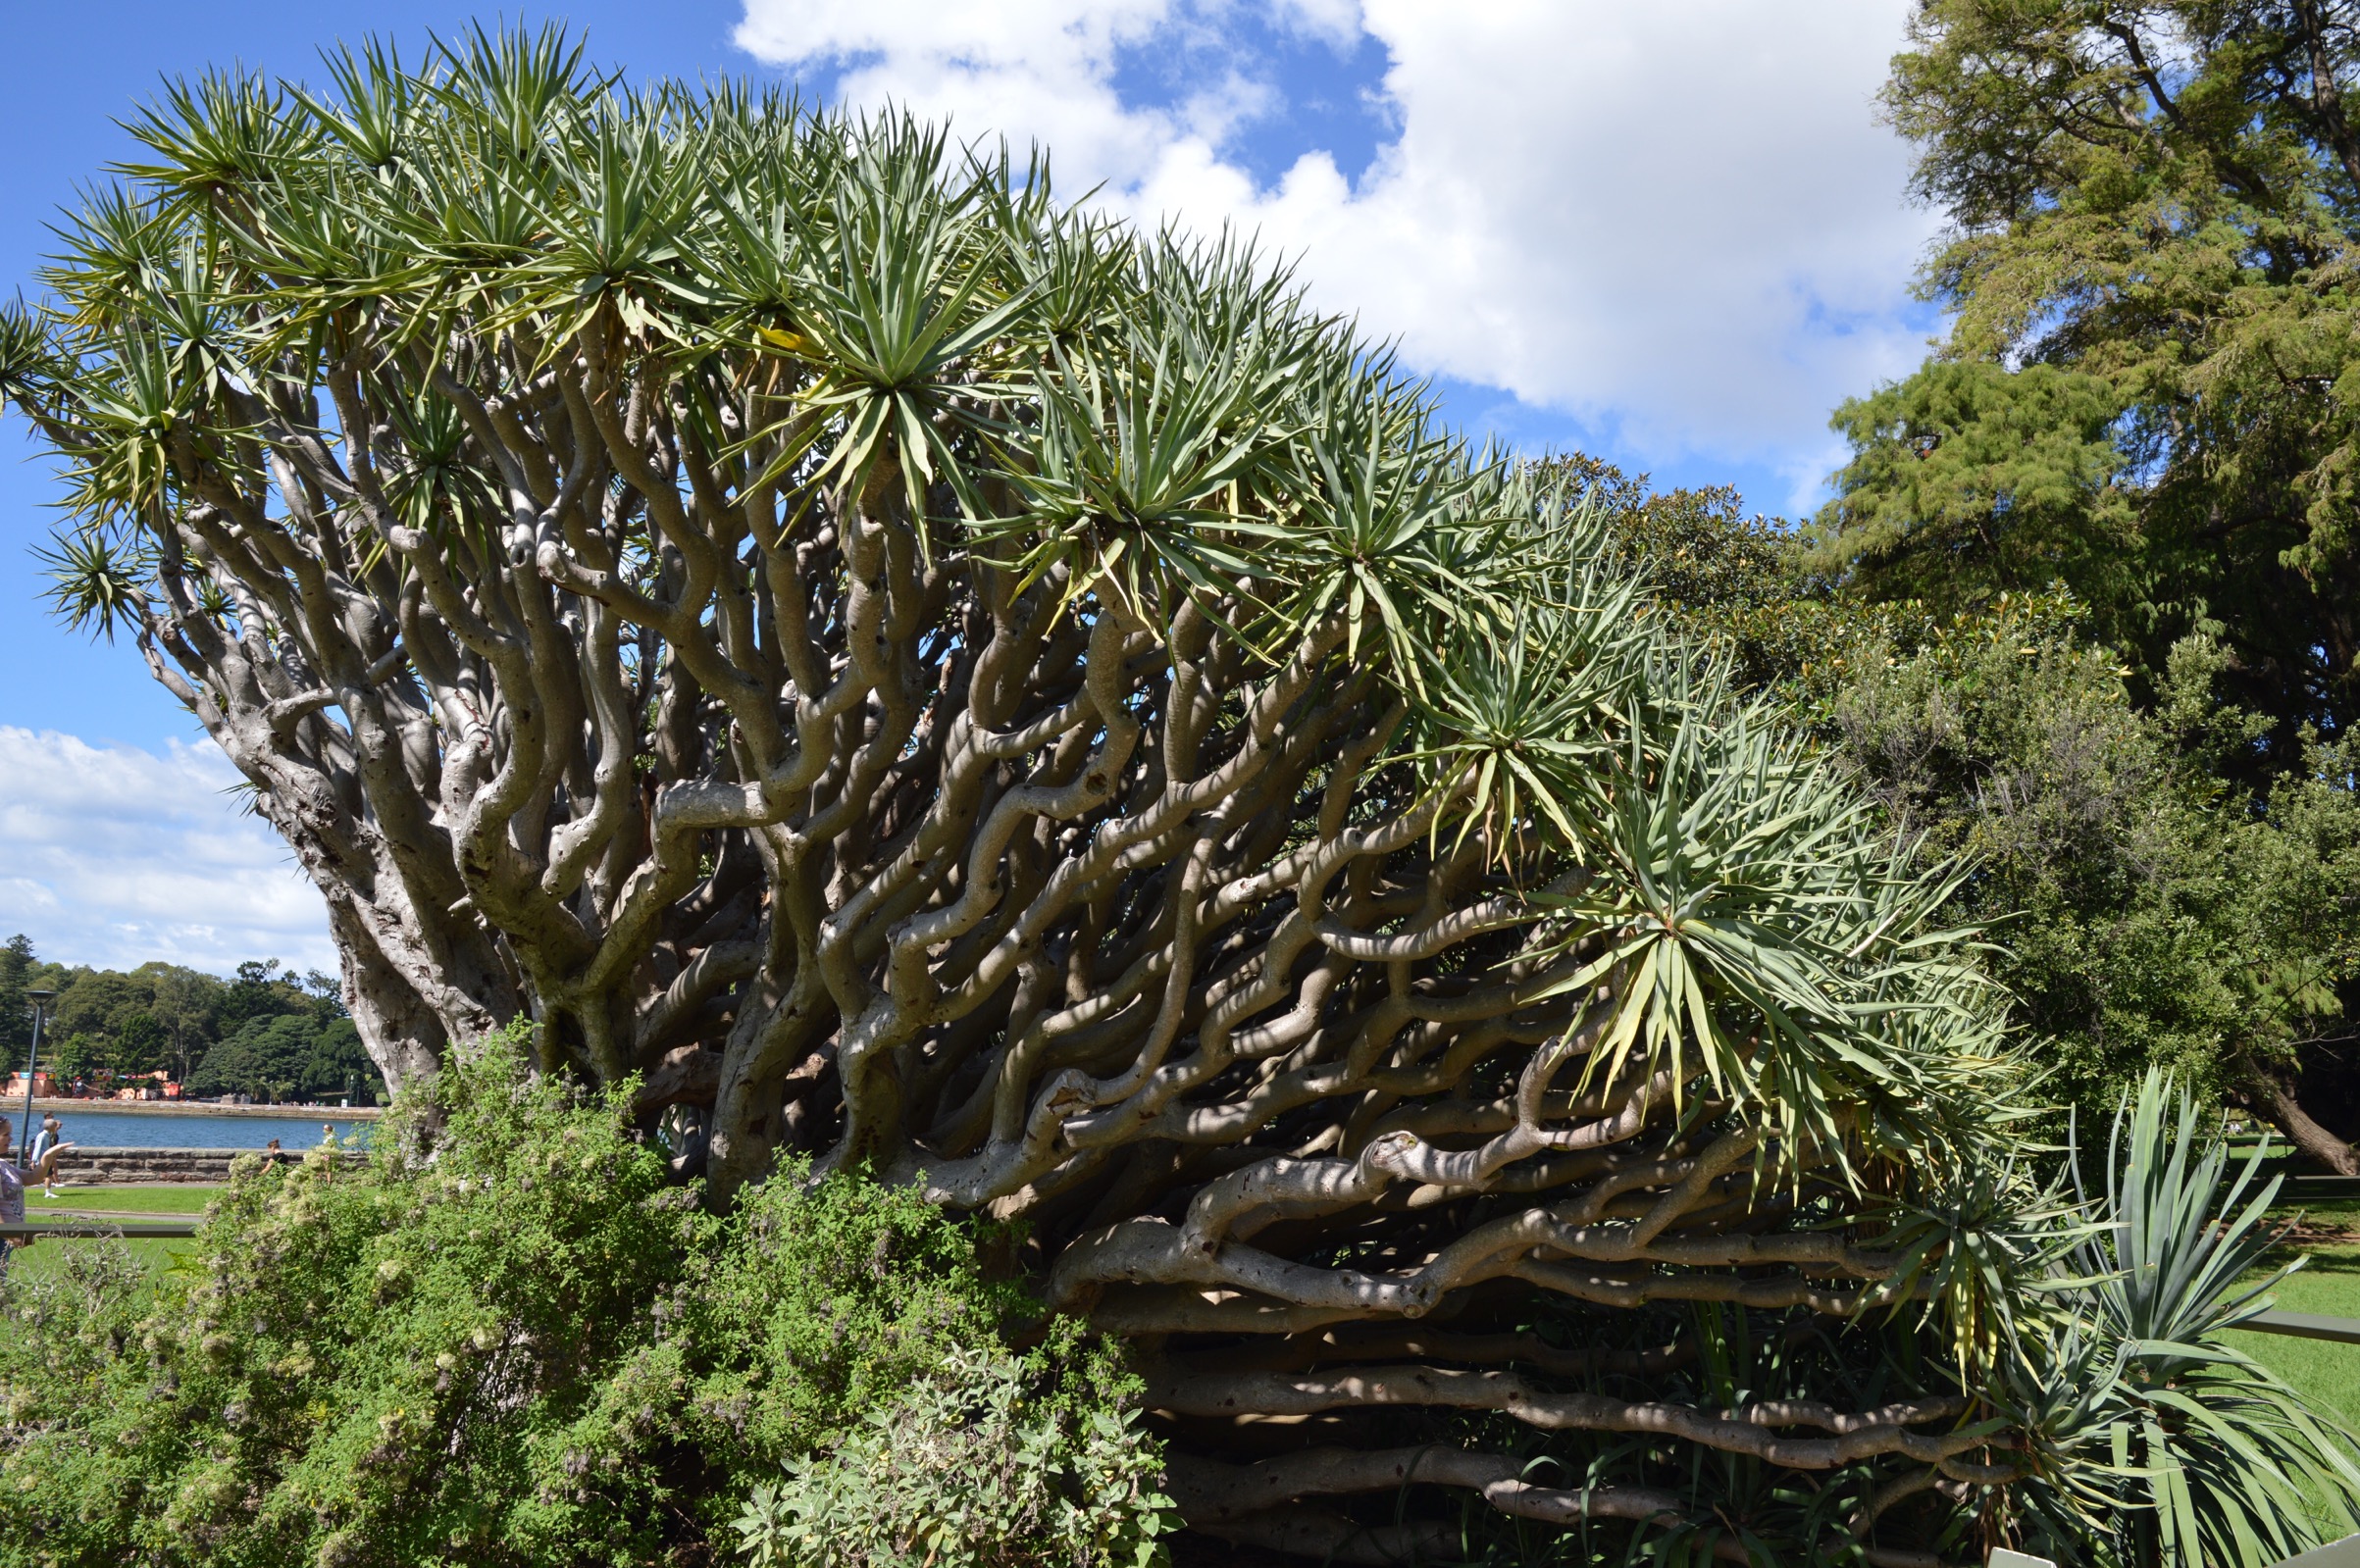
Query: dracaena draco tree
(941, 682)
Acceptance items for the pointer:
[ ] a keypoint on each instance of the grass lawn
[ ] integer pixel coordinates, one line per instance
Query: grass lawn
(2328, 1373)
(143, 1198)
(45, 1257)
(127, 1203)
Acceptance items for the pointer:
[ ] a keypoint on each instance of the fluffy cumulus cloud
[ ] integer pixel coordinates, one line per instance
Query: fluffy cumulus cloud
(1679, 222)
(115, 856)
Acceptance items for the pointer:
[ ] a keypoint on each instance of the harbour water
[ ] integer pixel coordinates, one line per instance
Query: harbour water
(96, 1129)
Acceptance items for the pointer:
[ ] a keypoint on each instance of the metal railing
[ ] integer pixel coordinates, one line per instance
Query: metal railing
(2313, 1188)
(2344, 1554)
(2306, 1326)
(126, 1229)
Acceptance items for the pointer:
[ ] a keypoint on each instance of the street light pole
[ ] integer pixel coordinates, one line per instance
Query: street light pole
(32, 1065)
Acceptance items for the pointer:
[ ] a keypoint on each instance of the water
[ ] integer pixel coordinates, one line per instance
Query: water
(113, 1130)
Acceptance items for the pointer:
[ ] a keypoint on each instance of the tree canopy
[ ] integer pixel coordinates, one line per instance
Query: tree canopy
(925, 679)
(2147, 389)
(2144, 401)
(107, 1025)
(288, 1057)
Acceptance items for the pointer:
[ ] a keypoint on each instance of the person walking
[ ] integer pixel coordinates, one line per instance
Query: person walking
(12, 1181)
(47, 1145)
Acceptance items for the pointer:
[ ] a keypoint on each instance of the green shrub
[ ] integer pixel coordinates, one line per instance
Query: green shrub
(526, 1348)
(977, 1465)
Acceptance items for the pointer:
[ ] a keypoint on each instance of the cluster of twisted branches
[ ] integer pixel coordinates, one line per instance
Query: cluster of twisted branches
(930, 678)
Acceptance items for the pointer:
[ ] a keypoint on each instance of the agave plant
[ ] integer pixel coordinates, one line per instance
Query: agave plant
(2157, 1440)
(920, 676)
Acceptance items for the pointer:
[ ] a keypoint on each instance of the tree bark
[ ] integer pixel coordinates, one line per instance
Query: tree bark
(2275, 1101)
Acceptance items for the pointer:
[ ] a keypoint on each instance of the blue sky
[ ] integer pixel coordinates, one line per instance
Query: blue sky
(1670, 235)
(68, 74)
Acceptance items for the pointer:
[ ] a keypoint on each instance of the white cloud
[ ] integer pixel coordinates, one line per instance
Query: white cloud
(113, 856)
(1035, 70)
(1679, 219)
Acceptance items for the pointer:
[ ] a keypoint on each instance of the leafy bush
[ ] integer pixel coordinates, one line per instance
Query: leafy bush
(977, 1465)
(524, 1349)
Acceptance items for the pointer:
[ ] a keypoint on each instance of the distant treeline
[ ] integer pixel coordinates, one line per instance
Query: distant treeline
(265, 1033)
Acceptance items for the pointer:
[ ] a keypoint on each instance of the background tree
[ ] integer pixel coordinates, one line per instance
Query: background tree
(285, 1056)
(183, 1001)
(2145, 397)
(15, 1010)
(103, 1025)
(1028, 712)
(111, 1024)
(2146, 390)
(2147, 908)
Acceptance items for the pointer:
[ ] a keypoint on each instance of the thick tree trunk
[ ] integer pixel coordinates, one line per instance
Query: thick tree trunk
(401, 1034)
(2273, 1099)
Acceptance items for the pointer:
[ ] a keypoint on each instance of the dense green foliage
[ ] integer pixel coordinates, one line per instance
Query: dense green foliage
(2146, 400)
(290, 1056)
(2148, 390)
(2145, 914)
(2142, 910)
(978, 1464)
(265, 1033)
(531, 1349)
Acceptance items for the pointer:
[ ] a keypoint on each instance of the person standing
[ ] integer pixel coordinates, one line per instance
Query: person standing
(47, 1145)
(13, 1179)
(12, 1212)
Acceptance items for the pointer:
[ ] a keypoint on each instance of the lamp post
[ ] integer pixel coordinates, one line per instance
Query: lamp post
(39, 1000)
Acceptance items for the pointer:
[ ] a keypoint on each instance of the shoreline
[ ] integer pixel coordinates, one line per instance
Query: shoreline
(66, 1107)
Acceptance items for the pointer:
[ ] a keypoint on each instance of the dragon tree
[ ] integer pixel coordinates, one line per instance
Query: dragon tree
(922, 677)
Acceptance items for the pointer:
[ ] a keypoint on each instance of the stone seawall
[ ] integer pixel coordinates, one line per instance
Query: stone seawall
(43, 1104)
(96, 1166)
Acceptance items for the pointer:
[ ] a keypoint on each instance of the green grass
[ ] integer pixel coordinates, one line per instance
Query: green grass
(2325, 1373)
(47, 1256)
(156, 1252)
(126, 1199)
